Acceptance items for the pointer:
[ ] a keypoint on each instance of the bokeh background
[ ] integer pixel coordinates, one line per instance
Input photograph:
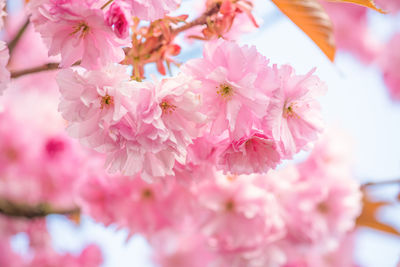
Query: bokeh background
(357, 101)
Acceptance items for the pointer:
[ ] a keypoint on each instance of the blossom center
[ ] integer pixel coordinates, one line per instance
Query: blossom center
(225, 90)
(167, 108)
(323, 208)
(288, 111)
(82, 29)
(229, 205)
(147, 193)
(11, 154)
(106, 101)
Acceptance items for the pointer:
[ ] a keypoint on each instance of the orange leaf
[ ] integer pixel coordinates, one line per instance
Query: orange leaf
(310, 16)
(368, 216)
(366, 3)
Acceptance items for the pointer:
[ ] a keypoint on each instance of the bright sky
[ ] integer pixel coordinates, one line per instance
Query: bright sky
(357, 101)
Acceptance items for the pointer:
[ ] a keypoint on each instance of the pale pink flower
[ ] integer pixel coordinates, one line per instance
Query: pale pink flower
(92, 101)
(241, 217)
(293, 117)
(326, 209)
(176, 248)
(120, 18)
(78, 32)
(392, 6)
(152, 9)
(255, 153)
(133, 203)
(4, 72)
(390, 63)
(228, 73)
(162, 122)
(356, 39)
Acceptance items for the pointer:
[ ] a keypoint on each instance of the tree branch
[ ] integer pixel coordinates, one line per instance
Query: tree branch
(385, 182)
(199, 21)
(19, 210)
(45, 67)
(13, 43)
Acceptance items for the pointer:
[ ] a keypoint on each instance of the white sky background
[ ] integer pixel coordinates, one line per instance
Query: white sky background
(357, 101)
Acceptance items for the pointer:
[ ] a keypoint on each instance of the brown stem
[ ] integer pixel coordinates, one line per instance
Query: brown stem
(45, 67)
(199, 21)
(19, 210)
(13, 43)
(385, 182)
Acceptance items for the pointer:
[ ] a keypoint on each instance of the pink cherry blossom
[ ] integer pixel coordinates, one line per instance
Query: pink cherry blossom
(392, 6)
(119, 16)
(120, 200)
(4, 72)
(255, 153)
(390, 63)
(92, 101)
(78, 32)
(164, 119)
(228, 73)
(293, 117)
(241, 216)
(356, 39)
(175, 248)
(152, 9)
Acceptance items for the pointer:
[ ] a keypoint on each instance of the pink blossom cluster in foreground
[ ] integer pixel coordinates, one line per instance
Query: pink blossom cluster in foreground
(295, 216)
(251, 116)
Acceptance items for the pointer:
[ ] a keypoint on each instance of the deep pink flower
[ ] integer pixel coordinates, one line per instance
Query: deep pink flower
(256, 153)
(4, 72)
(228, 73)
(293, 117)
(77, 31)
(120, 18)
(390, 63)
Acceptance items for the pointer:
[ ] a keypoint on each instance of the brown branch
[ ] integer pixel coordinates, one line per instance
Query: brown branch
(13, 43)
(19, 210)
(45, 67)
(199, 21)
(385, 182)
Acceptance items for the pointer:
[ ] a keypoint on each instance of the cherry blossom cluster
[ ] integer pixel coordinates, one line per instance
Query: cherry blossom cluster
(250, 114)
(295, 216)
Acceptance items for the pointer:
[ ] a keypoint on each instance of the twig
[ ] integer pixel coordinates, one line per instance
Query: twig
(199, 21)
(45, 67)
(385, 182)
(13, 209)
(13, 43)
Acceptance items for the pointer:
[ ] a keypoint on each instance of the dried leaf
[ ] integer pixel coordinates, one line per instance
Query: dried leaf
(368, 217)
(310, 16)
(366, 3)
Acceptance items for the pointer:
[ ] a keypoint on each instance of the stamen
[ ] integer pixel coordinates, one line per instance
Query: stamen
(106, 101)
(82, 29)
(167, 108)
(225, 90)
